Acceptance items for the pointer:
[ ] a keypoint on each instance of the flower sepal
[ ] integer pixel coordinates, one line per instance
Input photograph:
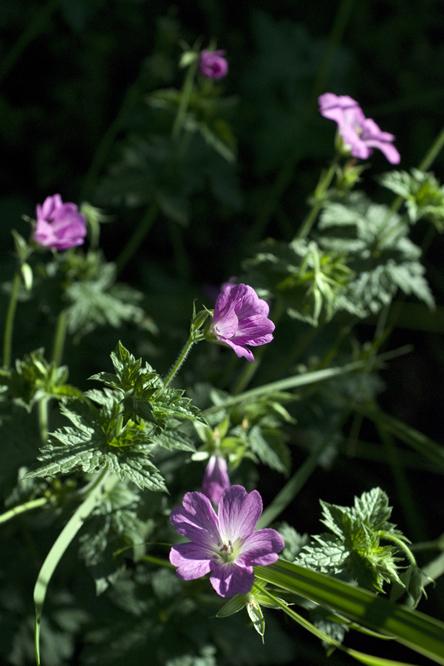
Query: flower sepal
(197, 321)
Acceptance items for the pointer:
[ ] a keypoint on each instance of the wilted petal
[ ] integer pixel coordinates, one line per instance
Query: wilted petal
(191, 561)
(261, 548)
(238, 513)
(230, 579)
(197, 520)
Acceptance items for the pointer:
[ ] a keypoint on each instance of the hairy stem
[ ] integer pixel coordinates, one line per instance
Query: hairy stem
(181, 358)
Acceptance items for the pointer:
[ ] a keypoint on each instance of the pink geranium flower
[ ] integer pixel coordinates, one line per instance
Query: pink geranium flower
(213, 64)
(360, 134)
(215, 479)
(225, 544)
(59, 225)
(241, 318)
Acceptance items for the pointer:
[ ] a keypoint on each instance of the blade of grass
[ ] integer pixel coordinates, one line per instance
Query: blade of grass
(57, 551)
(362, 657)
(413, 629)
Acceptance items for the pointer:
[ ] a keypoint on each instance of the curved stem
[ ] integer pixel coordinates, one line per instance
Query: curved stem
(433, 152)
(59, 547)
(103, 150)
(299, 479)
(181, 358)
(187, 89)
(136, 239)
(251, 369)
(32, 31)
(400, 543)
(320, 191)
(27, 506)
(7, 340)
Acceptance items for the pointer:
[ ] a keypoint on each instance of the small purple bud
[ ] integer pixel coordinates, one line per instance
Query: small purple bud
(215, 479)
(213, 64)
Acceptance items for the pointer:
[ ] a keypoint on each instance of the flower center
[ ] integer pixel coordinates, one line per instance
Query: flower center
(227, 552)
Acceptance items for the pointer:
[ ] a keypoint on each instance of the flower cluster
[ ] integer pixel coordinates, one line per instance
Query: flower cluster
(59, 225)
(225, 544)
(359, 134)
(213, 64)
(241, 318)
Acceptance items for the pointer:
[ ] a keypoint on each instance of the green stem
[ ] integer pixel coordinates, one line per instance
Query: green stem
(406, 496)
(400, 543)
(132, 95)
(157, 560)
(43, 419)
(32, 31)
(294, 354)
(337, 32)
(437, 544)
(299, 479)
(285, 175)
(136, 239)
(181, 262)
(427, 161)
(7, 340)
(320, 191)
(59, 338)
(59, 547)
(27, 506)
(187, 89)
(181, 358)
(433, 152)
(301, 380)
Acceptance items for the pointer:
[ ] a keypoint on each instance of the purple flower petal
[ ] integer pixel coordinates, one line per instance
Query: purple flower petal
(359, 133)
(59, 226)
(225, 545)
(238, 513)
(188, 558)
(254, 331)
(261, 548)
(230, 579)
(241, 352)
(241, 318)
(197, 520)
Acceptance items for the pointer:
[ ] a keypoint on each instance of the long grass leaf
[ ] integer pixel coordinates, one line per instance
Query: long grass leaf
(57, 551)
(416, 630)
